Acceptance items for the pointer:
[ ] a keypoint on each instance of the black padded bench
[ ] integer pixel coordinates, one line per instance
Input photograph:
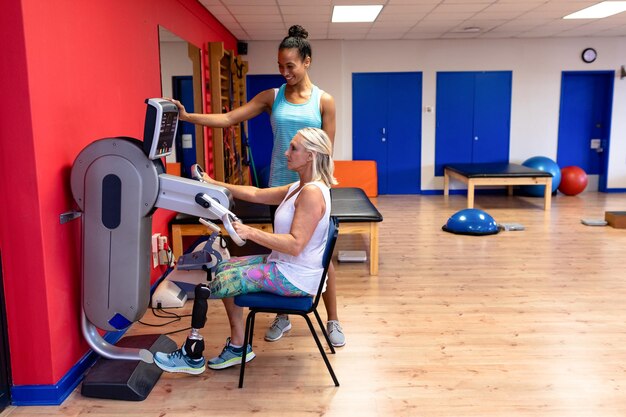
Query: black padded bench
(357, 215)
(496, 174)
(351, 206)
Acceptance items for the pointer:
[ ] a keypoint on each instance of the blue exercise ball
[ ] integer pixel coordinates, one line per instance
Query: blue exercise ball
(542, 163)
(471, 222)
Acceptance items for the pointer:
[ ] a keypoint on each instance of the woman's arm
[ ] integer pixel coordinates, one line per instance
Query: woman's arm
(328, 115)
(259, 103)
(272, 195)
(310, 207)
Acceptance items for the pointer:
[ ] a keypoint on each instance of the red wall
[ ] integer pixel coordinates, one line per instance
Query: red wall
(76, 71)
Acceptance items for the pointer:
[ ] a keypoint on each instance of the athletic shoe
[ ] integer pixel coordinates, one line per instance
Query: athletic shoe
(278, 328)
(230, 356)
(178, 361)
(335, 333)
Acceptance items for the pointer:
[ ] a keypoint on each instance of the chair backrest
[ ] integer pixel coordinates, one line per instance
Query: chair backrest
(333, 232)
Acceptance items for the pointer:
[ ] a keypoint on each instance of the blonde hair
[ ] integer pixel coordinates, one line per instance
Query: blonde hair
(317, 141)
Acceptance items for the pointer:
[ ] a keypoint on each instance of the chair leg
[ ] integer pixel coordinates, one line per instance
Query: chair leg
(247, 338)
(321, 349)
(324, 332)
(252, 323)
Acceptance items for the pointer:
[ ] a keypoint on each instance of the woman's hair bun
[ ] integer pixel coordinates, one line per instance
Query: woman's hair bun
(297, 31)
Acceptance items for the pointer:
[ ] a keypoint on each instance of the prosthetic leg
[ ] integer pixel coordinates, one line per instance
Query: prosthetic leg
(194, 345)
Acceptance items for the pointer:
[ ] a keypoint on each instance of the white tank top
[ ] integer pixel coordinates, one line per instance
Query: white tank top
(303, 271)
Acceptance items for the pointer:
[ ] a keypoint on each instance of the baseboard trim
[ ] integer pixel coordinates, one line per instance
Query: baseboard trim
(55, 394)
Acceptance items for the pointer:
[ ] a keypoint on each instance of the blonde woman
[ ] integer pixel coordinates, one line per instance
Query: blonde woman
(294, 266)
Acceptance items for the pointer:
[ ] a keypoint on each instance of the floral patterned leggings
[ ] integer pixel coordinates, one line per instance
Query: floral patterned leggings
(247, 274)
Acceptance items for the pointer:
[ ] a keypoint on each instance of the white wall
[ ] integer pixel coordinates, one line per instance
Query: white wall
(536, 65)
(174, 62)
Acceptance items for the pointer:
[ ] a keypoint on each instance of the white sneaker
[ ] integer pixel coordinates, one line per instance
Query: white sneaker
(278, 328)
(335, 333)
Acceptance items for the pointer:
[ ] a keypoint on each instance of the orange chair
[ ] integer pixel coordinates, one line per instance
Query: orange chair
(357, 174)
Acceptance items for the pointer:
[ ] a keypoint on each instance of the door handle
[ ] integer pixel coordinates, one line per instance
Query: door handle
(597, 145)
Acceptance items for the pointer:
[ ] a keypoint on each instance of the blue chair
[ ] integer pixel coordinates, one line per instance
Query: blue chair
(263, 302)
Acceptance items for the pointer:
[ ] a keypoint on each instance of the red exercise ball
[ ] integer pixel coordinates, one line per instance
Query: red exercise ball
(573, 180)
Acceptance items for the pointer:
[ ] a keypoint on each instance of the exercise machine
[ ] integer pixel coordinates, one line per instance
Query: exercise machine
(193, 268)
(118, 183)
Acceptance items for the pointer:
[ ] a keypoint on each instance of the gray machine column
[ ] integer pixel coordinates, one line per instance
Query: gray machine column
(116, 187)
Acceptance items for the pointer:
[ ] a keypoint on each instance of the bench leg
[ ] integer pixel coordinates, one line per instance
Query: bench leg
(547, 200)
(446, 183)
(470, 194)
(373, 248)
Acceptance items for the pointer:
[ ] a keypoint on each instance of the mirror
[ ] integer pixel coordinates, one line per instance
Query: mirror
(181, 79)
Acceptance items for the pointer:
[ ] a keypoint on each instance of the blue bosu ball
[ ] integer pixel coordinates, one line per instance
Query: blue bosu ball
(545, 164)
(471, 222)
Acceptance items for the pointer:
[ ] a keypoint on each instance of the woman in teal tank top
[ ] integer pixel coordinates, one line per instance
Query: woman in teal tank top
(296, 105)
(287, 118)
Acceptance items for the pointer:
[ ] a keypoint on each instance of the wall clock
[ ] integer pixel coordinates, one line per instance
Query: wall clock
(589, 55)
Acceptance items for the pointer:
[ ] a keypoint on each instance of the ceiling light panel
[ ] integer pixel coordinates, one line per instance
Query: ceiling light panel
(346, 14)
(599, 11)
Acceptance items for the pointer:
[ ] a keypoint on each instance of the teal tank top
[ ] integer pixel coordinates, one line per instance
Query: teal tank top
(287, 118)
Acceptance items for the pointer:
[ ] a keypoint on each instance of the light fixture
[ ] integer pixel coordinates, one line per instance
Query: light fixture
(598, 11)
(342, 14)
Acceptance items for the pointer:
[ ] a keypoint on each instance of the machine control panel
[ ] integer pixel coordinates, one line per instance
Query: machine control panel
(159, 127)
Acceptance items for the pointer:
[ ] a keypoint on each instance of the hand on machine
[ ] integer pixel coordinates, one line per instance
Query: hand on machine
(197, 173)
(225, 215)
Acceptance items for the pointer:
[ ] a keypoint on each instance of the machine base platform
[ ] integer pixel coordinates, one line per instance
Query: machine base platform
(127, 380)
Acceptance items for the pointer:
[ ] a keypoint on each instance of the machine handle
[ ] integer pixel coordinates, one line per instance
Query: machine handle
(226, 221)
(223, 213)
(197, 173)
(210, 224)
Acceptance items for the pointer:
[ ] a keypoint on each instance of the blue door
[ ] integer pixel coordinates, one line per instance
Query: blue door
(387, 127)
(585, 120)
(473, 118)
(260, 134)
(182, 90)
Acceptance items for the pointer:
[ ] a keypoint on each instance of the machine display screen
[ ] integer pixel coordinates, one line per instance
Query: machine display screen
(168, 132)
(160, 128)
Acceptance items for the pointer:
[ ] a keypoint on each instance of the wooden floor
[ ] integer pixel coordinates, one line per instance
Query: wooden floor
(524, 323)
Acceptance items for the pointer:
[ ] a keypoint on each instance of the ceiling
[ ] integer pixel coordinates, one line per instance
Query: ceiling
(255, 20)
